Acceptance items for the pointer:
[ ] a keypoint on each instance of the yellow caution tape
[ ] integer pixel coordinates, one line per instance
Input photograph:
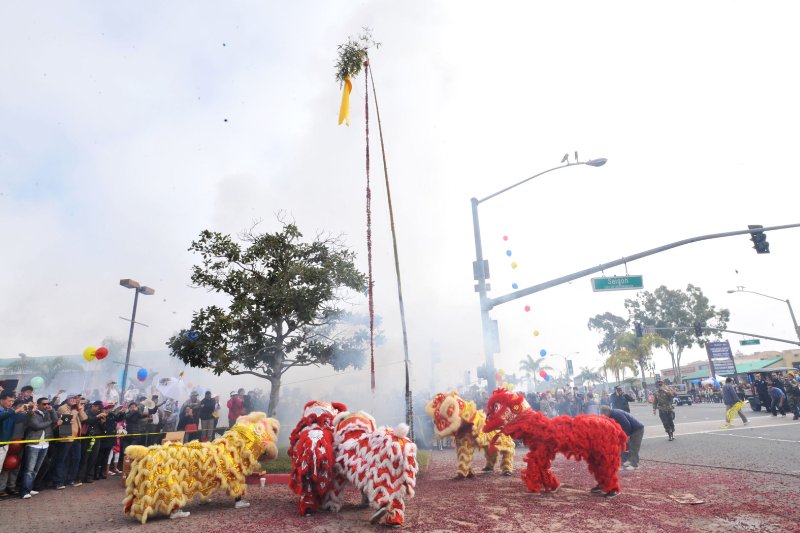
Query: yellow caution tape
(58, 439)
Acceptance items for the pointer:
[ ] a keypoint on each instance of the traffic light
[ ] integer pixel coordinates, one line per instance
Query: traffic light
(759, 239)
(638, 327)
(698, 329)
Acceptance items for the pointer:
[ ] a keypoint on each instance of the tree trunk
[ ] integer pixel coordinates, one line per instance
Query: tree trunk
(274, 393)
(678, 368)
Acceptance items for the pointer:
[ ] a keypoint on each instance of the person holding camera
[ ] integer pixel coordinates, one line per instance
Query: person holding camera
(662, 402)
(41, 421)
(95, 422)
(68, 455)
(9, 477)
(8, 418)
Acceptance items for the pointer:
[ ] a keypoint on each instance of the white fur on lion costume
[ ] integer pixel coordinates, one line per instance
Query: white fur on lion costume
(381, 463)
(166, 477)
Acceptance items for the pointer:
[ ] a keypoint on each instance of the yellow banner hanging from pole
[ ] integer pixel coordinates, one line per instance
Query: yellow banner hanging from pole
(344, 109)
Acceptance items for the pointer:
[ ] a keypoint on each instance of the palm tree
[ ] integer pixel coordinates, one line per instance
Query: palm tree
(620, 361)
(590, 375)
(48, 368)
(531, 367)
(641, 349)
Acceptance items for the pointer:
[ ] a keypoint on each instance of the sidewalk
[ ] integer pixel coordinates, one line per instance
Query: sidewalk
(734, 501)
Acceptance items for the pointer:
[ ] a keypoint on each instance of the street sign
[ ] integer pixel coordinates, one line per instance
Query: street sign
(748, 342)
(721, 358)
(617, 283)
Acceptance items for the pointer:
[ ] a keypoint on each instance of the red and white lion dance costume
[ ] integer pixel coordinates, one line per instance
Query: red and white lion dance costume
(311, 450)
(381, 463)
(595, 439)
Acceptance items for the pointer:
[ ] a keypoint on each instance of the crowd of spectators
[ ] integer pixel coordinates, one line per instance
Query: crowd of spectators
(70, 439)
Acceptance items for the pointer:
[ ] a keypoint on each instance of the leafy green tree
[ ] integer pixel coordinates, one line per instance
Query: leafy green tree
(611, 326)
(674, 313)
(47, 367)
(532, 366)
(283, 311)
(640, 348)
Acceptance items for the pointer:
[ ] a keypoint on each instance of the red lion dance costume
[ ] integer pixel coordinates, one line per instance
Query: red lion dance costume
(311, 450)
(595, 439)
(381, 463)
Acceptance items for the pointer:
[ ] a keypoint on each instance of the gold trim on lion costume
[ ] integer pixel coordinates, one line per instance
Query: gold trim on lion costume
(166, 477)
(455, 417)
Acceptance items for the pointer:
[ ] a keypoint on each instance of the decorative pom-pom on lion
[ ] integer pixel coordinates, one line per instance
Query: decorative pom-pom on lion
(595, 439)
(458, 418)
(166, 477)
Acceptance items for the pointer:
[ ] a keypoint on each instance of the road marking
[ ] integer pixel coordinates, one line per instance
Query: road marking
(749, 437)
(679, 434)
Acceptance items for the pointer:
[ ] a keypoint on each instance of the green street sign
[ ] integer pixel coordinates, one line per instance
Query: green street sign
(748, 342)
(617, 283)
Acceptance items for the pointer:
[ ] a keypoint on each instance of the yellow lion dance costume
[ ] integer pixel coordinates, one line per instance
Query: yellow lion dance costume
(166, 477)
(455, 417)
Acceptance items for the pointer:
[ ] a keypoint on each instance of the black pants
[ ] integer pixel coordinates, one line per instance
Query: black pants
(102, 461)
(775, 408)
(89, 460)
(667, 418)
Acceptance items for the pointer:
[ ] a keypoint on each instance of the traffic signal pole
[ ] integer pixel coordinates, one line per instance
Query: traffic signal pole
(493, 302)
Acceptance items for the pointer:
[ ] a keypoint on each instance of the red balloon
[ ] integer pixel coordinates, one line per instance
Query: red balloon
(542, 373)
(11, 462)
(527, 308)
(14, 449)
(101, 353)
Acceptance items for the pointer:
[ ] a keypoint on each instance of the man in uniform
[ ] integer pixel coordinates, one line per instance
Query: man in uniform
(662, 402)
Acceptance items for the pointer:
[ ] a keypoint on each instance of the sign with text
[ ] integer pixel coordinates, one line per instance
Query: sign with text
(720, 357)
(748, 342)
(617, 283)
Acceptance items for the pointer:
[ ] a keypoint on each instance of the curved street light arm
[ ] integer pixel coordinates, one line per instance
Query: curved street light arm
(591, 162)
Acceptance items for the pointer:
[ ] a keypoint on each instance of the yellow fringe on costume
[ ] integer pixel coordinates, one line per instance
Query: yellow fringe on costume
(455, 417)
(166, 477)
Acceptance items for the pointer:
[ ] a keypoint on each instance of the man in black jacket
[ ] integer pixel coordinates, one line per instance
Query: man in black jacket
(41, 422)
(619, 400)
(95, 422)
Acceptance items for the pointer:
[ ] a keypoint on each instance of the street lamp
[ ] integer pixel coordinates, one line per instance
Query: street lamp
(138, 289)
(491, 343)
(787, 302)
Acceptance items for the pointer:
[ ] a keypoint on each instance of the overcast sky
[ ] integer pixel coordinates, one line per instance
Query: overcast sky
(128, 127)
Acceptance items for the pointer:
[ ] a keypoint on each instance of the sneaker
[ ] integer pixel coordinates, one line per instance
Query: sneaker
(611, 494)
(487, 469)
(33, 492)
(506, 473)
(746, 422)
(241, 504)
(61, 487)
(178, 514)
(26, 496)
(631, 467)
(597, 490)
(626, 463)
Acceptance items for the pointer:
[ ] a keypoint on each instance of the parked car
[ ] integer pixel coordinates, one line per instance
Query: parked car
(682, 398)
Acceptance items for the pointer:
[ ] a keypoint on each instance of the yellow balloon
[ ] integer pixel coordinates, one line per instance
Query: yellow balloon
(88, 353)
(514, 265)
(536, 333)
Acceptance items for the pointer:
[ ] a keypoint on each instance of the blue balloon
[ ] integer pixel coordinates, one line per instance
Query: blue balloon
(141, 375)
(547, 377)
(508, 253)
(192, 335)
(542, 352)
(514, 286)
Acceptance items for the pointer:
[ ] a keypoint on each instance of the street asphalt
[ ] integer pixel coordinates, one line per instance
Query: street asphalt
(766, 444)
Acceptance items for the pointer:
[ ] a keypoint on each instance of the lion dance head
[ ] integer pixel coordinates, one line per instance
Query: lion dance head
(503, 407)
(449, 411)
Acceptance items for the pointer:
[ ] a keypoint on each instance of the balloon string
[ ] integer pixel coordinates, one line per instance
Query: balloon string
(369, 238)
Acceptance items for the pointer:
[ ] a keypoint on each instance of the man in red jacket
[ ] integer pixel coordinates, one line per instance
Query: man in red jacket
(235, 408)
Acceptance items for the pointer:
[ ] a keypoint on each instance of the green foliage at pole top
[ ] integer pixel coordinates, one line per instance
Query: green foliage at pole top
(283, 306)
(669, 310)
(353, 54)
(611, 326)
